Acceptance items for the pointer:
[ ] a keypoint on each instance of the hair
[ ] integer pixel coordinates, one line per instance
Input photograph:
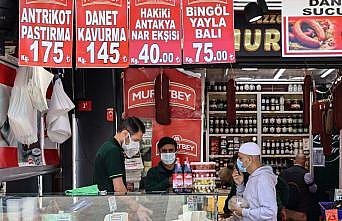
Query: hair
(132, 125)
(166, 140)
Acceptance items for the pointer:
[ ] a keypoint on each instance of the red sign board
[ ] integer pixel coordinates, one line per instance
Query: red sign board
(155, 32)
(208, 31)
(188, 140)
(45, 33)
(102, 36)
(185, 93)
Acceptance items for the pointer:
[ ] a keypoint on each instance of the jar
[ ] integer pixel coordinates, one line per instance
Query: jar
(254, 121)
(272, 120)
(231, 130)
(246, 87)
(278, 120)
(236, 130)
(258, 87)
(250, 121)
(242, 130)
(284, 130)
(250, 130)
(226, 130)
(265, 130)
(290, 88)
(221, 130)
(300, 88)
(272, 108)
(295, 88)
(252, 87)
(278, 130)
(290, 129)
(272, 129)
(267, 121)
(255, 130)
(217, 130)
(284, 120)
(246, 121)
(241, 88)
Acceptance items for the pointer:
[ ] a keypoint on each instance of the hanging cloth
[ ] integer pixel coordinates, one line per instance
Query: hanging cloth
(231, 103)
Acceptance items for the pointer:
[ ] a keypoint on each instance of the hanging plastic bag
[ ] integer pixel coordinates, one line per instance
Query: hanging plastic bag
(37, 87)
(21, 114)
(57, 119)
(59, 130)
(60, 102)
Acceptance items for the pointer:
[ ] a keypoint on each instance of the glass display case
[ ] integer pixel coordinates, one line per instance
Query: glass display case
(170, 207)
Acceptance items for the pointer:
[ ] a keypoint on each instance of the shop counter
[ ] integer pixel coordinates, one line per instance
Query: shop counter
(177, 207)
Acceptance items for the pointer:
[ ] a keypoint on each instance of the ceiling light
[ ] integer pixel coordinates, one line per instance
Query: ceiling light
(249, 69)
(327, 72)
(254, 11)
(297, 78)
(244, 79)
(279, 74)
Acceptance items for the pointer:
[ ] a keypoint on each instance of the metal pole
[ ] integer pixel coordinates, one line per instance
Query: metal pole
(74, 149)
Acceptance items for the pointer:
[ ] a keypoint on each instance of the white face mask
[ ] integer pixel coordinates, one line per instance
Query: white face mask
(168, 158)
(132, 148)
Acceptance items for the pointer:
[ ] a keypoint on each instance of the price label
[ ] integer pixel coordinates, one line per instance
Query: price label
(101, 33)
(150, 54)
(155, 32)
(43, 39)
(209, 35)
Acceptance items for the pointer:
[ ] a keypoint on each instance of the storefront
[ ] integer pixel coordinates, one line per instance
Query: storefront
(268, 99)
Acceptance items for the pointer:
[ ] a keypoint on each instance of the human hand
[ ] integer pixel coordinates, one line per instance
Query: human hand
(283, 214)
(237, 211)
(238, 178)
(144, 214)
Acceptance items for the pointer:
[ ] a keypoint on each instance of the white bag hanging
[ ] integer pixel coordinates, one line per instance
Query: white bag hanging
(22, 116)
(37, 86)
(59, 130)
(57, 119)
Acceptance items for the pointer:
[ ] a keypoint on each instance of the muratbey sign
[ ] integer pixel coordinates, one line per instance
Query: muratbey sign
(180, 95)
(185, 93)
(188, 141)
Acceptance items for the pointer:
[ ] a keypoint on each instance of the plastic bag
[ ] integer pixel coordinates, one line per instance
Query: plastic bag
(37, 87)
(237, 202)
(58, 125)
(22, 116)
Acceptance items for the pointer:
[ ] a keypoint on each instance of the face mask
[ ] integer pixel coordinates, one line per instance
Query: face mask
(240, 166)
(132, 148)
(168, 158)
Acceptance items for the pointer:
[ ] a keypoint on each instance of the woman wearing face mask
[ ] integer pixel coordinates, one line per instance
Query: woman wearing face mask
(159, 178)
(109, 171)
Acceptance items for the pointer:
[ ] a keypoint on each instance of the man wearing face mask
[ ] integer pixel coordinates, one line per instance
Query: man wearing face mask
(109, 172)
(259, 192)
(159, 178)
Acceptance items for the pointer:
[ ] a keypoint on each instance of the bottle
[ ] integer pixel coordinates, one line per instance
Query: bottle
(187, 177)
(177, 177)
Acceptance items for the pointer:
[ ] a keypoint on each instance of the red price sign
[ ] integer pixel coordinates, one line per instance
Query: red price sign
(45, 33)
(155, 32)
(208, 31)
(101, 33)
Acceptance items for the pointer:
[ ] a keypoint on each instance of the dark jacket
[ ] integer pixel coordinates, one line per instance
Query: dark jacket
(157, 178)
(300, 197)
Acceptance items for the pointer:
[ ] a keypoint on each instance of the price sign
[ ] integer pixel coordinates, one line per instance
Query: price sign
(45, 33)
(208, 31)
(155, 32)
(101, 33)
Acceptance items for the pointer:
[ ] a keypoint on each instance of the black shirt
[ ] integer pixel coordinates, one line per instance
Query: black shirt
(109, 164)
(157, 178)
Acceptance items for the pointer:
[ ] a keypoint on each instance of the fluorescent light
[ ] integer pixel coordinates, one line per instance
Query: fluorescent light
(279, 74)
(326, 73)
(249, 69)
(297, 78)
(244, 79)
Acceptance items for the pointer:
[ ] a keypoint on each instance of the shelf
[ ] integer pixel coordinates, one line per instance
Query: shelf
(220, 156)
(281, 93)
(281, 112)
(238, 112)
(285, 135)
(258, 92)
(278, 156)
(233, 135)
(19, 173)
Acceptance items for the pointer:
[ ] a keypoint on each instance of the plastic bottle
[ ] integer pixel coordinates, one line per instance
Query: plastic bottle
(177, 177)
(187, 174)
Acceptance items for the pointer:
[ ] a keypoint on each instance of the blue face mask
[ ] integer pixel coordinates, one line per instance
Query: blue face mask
(240, 166)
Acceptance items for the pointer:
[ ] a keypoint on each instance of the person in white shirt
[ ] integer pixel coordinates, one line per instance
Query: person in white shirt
(259, 192)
